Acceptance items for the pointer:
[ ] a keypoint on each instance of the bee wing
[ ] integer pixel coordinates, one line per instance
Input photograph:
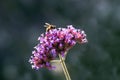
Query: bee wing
(46, 25)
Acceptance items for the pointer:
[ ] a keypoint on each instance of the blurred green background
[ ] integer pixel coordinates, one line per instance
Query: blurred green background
(21, 23)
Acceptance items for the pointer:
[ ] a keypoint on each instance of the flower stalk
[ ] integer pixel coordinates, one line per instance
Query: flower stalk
(62, 61)
(64, 68)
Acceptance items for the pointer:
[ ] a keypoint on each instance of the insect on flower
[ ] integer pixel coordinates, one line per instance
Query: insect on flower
(53, 43)
(49, 27)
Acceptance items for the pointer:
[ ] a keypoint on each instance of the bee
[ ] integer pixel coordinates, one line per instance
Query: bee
(49, 26)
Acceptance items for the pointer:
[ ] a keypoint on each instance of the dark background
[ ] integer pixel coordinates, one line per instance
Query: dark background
(21, 23)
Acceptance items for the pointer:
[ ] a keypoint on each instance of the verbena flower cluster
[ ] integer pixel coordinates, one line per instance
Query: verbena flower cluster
(54, 42)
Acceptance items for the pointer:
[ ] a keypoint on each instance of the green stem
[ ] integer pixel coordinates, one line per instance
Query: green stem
(64, 68)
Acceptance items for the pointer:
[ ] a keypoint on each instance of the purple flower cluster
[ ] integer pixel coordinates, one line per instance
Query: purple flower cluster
(54, 42)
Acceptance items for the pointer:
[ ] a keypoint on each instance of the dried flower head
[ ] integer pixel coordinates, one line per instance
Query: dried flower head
(55, 41)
